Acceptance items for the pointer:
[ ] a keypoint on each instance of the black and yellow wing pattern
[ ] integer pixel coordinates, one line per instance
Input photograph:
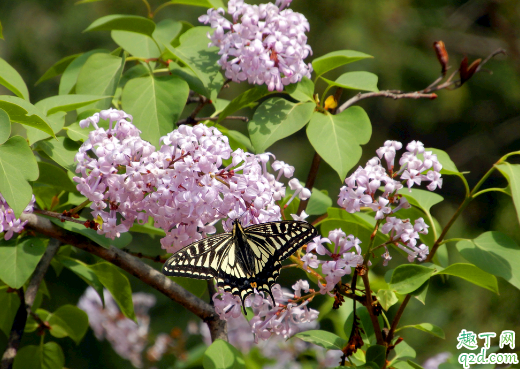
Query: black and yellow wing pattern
(244, 259)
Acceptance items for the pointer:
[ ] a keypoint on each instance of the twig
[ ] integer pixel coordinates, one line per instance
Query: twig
(26, 303)
(196, 120)
(59, 216)
(426, 93)
(393, 94)
(373, 318)
(311, 178)
(134, 266)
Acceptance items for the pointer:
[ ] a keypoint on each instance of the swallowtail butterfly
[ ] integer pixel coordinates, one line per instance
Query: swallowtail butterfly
(244, 259)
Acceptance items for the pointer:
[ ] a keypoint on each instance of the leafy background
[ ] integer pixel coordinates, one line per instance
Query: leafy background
(475, 124)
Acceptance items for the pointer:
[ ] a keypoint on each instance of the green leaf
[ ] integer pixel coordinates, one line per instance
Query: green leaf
(495, 253)
(84, 272)
(9, 301)
(203, 3)
(118, 285)
(336, 59)
(275, 119)
(70, 75)
(222, 355)
(136, 44)
(325, 339)
(426, 327)
(236, 140)
(131, 23)
(472, 274)
(5, 126)
(422, 199)
(54, 176)
(243, 100)
(512, 174)
(1, 31)
(387, 298)
(376, 354)
(99, 76)
(302, 91)
(18, 259)
(119, 242)
(23, 112)
(166, 31)
(364, 81)
(421, 292)
(11, 79)
(337, 138)
(57, 69)
(448, 167)
(62, 151)
(66, 103)
(408, 278)
(17, 166)
(193, 51)
(70, 321)
(319, 202)
(403, 350)
(48, 356)
(155, 103)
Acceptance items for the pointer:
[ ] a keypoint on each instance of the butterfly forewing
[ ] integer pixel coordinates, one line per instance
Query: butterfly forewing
(200, 260)
(255, 265)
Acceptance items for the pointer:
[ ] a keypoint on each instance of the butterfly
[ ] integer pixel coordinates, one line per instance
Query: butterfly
(243, 260)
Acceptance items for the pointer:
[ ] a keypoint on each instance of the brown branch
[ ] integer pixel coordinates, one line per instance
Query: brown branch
(134, 266)
(397, 317)
(196, 120)
(26, 303)
(59, 216)
(373, 318)
(393, 94)
(311, 178)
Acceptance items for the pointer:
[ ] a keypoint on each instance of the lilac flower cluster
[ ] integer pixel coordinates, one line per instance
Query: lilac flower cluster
(283, 352)
(8, 222)
(184, 185)
(283, 318)
(127, 338)
(343, 258)
(265, 43)
(361, 187)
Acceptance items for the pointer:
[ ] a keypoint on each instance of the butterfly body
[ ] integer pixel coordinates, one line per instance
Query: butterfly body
(244, 259)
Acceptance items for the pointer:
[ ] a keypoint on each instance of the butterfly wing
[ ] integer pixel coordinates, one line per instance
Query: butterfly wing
(199, 260)
(271, 243)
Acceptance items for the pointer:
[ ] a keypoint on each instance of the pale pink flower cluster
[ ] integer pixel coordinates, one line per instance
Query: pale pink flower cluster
(283, 318)
(9, 224)
(361, 187)
(346, 255)
(127, 338)
(184, 185)
(264, 43)
(283, 352)
(406, 236)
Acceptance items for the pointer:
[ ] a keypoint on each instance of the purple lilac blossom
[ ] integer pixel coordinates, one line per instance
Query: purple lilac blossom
(285, 318)
(127, 338)
(346, 255)
(361, 187)
(263, 44)
(184, 185)
(9, 224)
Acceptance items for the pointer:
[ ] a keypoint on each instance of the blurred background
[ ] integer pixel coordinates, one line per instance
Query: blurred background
(475, 125)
